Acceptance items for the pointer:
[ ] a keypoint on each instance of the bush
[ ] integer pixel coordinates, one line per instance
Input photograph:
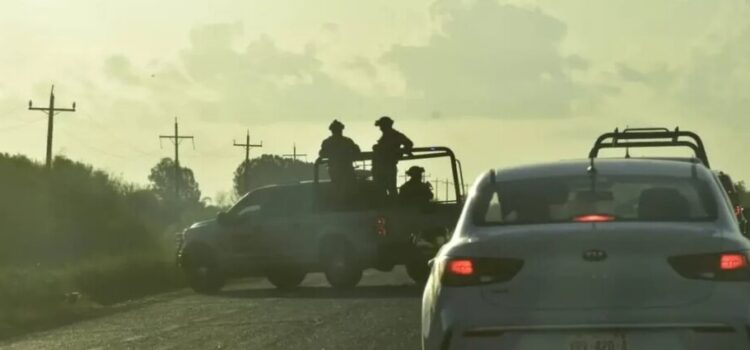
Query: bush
(75, 231)
(111, 280)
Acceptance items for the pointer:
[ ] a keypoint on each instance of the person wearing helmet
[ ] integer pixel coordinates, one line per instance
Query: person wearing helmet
(415, 192)
(389, 149)
(341, 153)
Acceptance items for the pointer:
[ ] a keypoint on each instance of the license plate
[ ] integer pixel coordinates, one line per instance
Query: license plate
(598, 341)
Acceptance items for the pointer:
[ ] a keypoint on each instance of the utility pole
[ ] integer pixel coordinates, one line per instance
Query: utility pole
(51, 111)
(447, 187)
(247, 145)
(176, 139)
(294, 154)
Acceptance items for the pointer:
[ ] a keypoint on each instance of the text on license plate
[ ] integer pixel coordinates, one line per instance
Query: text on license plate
(598, 341)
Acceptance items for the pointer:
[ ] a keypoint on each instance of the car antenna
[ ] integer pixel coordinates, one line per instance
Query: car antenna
(492, 176)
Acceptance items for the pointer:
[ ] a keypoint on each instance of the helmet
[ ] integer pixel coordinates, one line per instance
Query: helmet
(384, 120)
(415, 171)
(336, 125)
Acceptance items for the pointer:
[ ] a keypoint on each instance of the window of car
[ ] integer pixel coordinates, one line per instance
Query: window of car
(621, 198)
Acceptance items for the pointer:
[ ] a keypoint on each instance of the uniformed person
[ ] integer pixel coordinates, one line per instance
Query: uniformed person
(391, 146)
(341, 153)
(415, 192)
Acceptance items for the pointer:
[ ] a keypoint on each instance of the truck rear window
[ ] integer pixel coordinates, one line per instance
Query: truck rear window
(601, 198)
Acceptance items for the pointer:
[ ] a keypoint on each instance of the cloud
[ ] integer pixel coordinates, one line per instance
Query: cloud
(717, 84)
(491, 60)
(119, 68)
(658, 76)
(222, 77)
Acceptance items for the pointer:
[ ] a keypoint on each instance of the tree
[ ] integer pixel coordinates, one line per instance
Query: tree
(269, 170)
(162, 181)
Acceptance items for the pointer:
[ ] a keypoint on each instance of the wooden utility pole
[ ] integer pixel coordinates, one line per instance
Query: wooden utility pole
(294, 154)
(51, 110)
(247, 145)
(176, 139)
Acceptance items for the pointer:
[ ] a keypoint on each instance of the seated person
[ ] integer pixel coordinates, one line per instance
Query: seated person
(415, 192)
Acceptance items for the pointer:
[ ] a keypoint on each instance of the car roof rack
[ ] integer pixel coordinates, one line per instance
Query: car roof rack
(651, 137)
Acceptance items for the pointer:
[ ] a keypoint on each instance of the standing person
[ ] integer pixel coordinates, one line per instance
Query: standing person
(391, 146)
(341, 153)
(415, 192)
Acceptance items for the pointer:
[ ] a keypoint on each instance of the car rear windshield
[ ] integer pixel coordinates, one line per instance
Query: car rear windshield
(603, 198)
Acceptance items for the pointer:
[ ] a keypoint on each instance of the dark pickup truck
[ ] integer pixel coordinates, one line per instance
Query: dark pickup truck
(283, 232)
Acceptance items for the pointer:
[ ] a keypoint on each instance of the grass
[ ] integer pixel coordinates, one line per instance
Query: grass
(37, 297)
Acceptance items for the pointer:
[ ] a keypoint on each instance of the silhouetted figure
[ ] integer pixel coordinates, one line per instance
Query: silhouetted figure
(391, 146)
(341, 153)
(415, 192)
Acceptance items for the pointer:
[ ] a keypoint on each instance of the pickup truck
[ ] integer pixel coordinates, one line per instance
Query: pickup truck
(283, 232)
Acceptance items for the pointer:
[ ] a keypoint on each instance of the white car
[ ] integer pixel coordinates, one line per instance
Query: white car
(592, 255)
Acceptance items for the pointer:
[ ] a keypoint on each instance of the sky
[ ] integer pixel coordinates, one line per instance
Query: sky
(503, 83)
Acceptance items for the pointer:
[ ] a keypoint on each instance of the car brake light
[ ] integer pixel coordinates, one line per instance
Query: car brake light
(730, 266)
(594, 218)
(462, 267)
(474, 271)
(733, 262)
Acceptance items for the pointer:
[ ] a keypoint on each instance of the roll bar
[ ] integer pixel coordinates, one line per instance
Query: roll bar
(416, 153)
(651, 137)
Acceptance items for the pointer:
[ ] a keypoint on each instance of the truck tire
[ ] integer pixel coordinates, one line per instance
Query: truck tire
(340, 267)
(418, 270)
(202, 272)
(286, 277)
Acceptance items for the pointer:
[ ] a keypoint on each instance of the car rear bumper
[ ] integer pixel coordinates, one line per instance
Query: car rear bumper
(460, 319)
(646, 336)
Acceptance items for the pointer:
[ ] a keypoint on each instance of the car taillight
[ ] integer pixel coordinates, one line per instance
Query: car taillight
(380, 227)
(730, 266)
(594, 218)
(733, 262)
(475, 271)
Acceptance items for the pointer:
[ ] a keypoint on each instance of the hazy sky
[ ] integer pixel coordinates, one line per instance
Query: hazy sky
(502, 82)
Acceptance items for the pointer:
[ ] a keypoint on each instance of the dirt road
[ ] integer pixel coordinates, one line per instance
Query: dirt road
(382, 313)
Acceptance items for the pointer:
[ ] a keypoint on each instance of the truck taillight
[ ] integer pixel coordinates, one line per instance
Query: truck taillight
(380, 227)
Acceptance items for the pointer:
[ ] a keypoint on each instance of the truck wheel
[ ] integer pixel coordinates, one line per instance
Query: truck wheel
(418, 271)
(202, 272)
(286, 278)
(340, 268)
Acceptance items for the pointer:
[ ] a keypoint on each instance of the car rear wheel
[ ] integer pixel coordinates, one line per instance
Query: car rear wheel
(340, 267)
(202, 272)
(286, 278)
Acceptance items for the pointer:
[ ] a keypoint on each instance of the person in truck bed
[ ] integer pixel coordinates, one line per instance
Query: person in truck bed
(391, 146)
(415, 192)
(341, 152)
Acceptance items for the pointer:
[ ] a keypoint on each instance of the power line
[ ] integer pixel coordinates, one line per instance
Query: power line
(51, 111)
(20, 125)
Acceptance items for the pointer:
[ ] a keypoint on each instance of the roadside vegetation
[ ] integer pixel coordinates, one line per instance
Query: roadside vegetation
(74, 238)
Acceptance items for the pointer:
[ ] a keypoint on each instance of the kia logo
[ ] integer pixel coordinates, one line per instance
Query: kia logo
(594, 255)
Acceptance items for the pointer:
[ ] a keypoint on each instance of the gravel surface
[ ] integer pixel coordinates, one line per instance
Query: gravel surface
(382, 313)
